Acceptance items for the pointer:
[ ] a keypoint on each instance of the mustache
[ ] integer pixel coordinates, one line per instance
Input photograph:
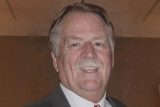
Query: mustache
(89, 63)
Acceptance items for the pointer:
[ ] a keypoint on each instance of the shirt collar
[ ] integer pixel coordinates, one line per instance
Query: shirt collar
(77, 101)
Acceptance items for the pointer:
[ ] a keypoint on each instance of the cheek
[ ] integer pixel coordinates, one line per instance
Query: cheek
(106, 57)
(71, 57)
(70, 60)
(107, 62)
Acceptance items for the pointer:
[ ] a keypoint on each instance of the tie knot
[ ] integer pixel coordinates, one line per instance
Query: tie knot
(97, 105)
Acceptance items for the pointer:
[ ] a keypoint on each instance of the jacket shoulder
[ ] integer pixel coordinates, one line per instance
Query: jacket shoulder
(115, 103)
(54, 99)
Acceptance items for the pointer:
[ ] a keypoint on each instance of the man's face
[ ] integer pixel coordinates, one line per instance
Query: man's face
(84, 61)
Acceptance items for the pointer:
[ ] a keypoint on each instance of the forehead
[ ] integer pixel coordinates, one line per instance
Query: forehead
(83, 22)
(78, 17)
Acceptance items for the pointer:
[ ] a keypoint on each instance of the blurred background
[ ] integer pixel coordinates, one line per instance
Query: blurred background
(26, 71)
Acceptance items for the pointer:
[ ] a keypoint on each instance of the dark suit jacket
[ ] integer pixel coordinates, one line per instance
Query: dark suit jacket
(58, 99)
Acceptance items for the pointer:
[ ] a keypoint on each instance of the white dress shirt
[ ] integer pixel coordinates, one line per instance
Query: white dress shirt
(77, 101)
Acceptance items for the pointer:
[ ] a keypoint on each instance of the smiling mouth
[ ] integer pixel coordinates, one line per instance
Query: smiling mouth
(90, 69)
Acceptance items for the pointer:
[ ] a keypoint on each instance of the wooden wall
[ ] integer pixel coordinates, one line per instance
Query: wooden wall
(26, 72)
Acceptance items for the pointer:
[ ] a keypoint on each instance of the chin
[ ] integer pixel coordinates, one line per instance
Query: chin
(92, 86)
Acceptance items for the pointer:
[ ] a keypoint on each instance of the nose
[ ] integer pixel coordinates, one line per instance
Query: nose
(89, 51)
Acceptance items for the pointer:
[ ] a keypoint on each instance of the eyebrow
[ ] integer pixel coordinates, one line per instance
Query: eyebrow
(100, 37)
(72, 37)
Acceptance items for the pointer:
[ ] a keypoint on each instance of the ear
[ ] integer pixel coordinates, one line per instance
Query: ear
(54, 60)
(112, 59)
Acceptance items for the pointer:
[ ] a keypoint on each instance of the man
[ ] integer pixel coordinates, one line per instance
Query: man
(82, 45)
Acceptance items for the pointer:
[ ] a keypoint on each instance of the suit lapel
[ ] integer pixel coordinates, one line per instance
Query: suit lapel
(58, 99)
(115, 103)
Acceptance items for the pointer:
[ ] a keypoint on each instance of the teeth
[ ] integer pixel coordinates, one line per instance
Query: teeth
(90, 69)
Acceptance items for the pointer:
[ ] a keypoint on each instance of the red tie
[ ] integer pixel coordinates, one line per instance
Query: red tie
(97, 105)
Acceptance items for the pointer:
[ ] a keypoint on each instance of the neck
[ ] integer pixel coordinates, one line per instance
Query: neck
(94, 97)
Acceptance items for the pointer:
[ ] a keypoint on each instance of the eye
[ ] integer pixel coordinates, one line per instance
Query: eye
(99, 44)
(75, 45)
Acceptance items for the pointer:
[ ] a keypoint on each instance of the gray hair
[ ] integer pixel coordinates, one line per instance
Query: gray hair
(54, 36)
